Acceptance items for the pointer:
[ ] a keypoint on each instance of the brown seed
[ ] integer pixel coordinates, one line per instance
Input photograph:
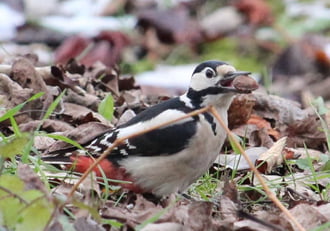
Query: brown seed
(245, 83)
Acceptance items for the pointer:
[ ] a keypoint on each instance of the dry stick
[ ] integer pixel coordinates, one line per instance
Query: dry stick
(269, 193)
(122, 139)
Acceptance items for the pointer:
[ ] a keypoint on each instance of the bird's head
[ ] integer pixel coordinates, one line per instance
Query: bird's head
(214, 80)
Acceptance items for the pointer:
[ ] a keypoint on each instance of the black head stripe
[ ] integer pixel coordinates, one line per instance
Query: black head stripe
(212, 64)
(194, 95)
(197, 97)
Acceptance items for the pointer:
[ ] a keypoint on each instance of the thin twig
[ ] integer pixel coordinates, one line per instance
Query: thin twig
(122, 139)
(269, 193)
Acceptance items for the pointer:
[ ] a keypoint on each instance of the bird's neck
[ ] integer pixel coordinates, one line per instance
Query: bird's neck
(199, 99)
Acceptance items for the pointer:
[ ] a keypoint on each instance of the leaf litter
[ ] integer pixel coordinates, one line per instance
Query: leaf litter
(259, 120)
(81, 122)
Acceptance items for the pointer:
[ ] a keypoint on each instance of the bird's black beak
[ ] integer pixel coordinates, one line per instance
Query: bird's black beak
(236, 73)
(229, 78)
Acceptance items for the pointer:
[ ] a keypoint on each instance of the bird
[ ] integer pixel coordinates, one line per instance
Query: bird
(168, 159)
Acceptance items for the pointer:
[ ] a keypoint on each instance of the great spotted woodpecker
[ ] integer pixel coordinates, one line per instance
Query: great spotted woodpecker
(170, 158)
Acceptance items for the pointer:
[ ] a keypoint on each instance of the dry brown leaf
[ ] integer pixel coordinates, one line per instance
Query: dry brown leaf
(104, 78)
(271, 158)
(88, 100)
(48, 125)
(77, 114)
(240, 110)
(62, 79)
(30, 178)
(132, 216)
(256, 137)
(24, 73)
(281, 111)
(263, 124)
(307, 215)
(305, 132)
(11, 93)
(199, 215)
(81, 134)
(41, 143)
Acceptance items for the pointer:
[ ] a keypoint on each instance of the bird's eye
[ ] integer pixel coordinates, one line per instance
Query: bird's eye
(209, 73)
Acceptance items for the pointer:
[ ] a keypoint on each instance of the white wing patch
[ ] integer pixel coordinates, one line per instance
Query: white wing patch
(159, 119)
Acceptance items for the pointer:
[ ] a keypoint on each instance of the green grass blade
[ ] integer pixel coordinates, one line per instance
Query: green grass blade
(12, 112)
(15, 126)
(53, 106)
(63, 138)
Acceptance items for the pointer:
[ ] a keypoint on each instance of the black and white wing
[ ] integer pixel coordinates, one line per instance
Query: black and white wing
(163, 141)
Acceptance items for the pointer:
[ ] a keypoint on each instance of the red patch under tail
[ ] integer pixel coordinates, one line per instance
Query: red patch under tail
(82, 163)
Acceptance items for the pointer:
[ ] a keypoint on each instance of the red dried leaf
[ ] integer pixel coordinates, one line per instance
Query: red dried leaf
(263, 124)
(257, 11)
(172, 26)
(71, 48)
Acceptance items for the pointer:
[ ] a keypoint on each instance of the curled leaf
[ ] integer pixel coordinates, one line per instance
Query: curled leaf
(272, 157)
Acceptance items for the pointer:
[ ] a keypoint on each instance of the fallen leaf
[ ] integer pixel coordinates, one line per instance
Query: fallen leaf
(30, 178)
(305, 132)
(279, 111)
(76, 115)
(263, 124)
(171, 25)
(240, 110)
(48, 125)
(238, 162)
(257, 11)
(272, 157)
(314, 218)
(81, 134)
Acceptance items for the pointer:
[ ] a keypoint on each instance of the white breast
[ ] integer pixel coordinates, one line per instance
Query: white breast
(163, 175)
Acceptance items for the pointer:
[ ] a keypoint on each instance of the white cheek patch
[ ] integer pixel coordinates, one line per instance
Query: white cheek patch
(200, 82)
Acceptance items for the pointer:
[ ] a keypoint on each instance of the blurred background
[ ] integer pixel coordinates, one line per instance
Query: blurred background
(284, 43)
